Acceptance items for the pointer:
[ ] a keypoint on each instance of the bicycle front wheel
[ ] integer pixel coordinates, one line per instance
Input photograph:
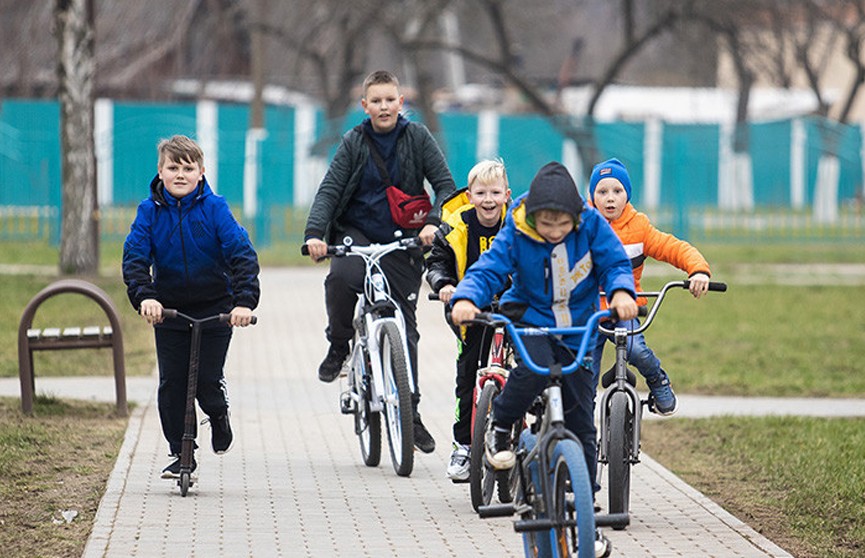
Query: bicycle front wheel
(397, 399)
(620, 427)
(482, 477)
(367, 425)
(572, 509)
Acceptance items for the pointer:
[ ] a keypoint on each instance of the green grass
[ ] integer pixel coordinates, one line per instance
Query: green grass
(59, 459)
(761, 340)
(71, 310)
(798, 480)
(797, 253)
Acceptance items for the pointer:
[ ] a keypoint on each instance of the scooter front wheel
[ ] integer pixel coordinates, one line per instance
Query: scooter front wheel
(184, 482)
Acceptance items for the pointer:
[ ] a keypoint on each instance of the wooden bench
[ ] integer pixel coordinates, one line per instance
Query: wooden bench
(56, 339)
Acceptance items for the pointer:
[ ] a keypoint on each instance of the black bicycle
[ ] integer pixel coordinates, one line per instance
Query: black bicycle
(620, 407)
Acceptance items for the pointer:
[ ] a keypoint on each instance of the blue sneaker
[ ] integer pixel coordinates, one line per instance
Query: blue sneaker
(663, 400)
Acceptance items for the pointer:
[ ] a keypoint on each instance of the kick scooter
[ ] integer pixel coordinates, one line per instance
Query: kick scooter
(187, 445)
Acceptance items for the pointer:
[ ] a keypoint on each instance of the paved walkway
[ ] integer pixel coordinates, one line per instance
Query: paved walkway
(294, 483)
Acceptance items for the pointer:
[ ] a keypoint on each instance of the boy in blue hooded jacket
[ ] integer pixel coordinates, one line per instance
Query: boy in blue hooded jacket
(558, 254)
(186, 251)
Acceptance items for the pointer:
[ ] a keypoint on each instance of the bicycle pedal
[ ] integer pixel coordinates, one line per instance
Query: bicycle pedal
(496, 510)
(346, 405)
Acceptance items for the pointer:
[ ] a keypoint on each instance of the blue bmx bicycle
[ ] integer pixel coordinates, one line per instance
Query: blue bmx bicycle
(553, 496)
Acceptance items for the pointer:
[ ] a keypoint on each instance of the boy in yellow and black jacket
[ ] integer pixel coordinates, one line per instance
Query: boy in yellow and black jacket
(470, 220)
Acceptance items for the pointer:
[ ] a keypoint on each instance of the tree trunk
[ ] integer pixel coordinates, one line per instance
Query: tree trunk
(79, 230)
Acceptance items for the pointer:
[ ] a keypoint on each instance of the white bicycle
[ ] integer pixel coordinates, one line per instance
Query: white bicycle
(379, 378)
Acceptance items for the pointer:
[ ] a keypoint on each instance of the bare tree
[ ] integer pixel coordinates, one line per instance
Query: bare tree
(330, 38)
(502, 59)
(79, 236)
(806, 38)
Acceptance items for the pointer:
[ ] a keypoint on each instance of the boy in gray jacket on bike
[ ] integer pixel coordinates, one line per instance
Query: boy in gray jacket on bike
(352, 201)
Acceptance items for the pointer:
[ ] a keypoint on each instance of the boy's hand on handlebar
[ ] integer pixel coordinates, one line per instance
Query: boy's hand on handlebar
(463, 310)
(427, 233)
(151, 311)
(317, 249)
(624, 305)
(699, 284)
(241, 316)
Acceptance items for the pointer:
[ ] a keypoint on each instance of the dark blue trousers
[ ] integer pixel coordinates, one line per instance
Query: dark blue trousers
(578, 396)
(172, 350)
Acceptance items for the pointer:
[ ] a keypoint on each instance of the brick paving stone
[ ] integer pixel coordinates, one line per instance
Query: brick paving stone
(294, 483)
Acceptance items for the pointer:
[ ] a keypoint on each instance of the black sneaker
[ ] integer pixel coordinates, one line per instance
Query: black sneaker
(173, 470)
(499, 451)
(331, 366)
(221, 437)
(423, 440)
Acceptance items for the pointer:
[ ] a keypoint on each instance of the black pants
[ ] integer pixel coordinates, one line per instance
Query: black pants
(474, 352)
(344, 282)
(578, 396)
(172, 351)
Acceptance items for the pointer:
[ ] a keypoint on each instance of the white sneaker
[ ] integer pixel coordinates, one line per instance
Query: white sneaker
(603, 546)
(458, 468)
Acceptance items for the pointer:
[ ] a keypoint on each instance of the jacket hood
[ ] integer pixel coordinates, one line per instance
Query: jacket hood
(458, 203)
(554, 189)
(520, 216)
(453, 203)
(401, 124)
(162, 197)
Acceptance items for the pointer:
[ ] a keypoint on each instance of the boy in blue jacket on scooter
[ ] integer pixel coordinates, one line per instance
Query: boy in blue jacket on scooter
(186, 251)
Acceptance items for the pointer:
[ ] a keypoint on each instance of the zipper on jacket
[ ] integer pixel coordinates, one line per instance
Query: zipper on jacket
(182, 242)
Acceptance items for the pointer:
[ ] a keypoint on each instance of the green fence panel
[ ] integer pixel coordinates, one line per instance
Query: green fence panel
(770, 145)
(844, 141)
(232, 122)
(689, 165)
(459, 139)
(526, 143)
(277, 171)
(138, 127)
(624, 141)
(30, 172)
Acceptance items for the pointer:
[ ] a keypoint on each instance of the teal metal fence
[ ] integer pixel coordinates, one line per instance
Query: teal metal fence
(685, 196)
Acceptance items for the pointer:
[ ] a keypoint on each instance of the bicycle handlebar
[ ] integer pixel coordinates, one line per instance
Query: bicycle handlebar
(222, 318)
(587, 331)
(339, 250)
(659, 295)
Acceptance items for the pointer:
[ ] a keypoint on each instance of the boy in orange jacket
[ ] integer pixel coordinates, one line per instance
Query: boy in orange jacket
(610, 193)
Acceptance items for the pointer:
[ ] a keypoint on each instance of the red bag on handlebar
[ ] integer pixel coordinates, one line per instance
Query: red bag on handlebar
(406, 211)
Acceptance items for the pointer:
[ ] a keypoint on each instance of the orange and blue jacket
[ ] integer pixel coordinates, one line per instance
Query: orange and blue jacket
(642, 240)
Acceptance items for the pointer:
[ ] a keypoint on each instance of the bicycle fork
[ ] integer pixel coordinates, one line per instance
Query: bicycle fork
(621, 384)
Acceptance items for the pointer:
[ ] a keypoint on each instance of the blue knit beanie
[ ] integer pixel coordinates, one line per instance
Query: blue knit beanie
(611, 168)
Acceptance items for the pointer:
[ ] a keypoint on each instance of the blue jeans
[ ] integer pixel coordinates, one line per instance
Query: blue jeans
(639, 354)
(578, 396)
